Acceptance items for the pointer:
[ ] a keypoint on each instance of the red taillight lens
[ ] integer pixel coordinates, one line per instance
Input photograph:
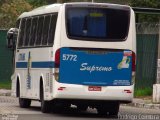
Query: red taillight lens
(57, 64)
(128, 91)
(57, 59)
(133, 61)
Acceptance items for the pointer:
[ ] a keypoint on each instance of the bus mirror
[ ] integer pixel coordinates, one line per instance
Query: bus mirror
(12, 37)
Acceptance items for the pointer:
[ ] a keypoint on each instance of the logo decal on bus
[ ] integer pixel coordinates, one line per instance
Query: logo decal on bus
(126, 60)
(86, 67)
(28, 71)
(21, 57)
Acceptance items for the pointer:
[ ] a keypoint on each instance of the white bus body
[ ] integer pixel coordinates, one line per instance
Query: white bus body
(88, 61)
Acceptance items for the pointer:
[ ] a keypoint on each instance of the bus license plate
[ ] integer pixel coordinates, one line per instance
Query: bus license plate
(94, 88)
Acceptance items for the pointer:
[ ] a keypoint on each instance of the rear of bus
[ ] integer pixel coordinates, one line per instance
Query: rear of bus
(95, 60)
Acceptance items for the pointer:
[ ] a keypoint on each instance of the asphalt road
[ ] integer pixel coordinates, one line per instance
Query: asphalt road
(9, 110)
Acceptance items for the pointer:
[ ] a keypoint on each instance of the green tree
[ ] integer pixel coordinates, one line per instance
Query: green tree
(146, 4)
(10, 10)
(37, 3)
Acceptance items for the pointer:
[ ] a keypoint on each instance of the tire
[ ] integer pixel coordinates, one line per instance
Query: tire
(115, 109)
(45, 105)
(60, 107)
(110, 109)
(82, 107)
(24, 103)
(102, 111)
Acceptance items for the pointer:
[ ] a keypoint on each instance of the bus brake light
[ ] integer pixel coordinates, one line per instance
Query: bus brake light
(133, 61)
(57, 58)
(57, 64)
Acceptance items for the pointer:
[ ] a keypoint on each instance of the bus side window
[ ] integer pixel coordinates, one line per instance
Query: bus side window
(39, 31)
(33, 31)
(21, 34)
(52, 29)
(46, 29)
(27, 35)
(17, 23)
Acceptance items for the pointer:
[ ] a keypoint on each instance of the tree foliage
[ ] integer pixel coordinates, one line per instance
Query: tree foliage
(37, 3)
(10, 10)
(147, 4)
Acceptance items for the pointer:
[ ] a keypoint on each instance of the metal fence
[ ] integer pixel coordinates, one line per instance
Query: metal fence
(5, 58)
(147, 54)
(147, 51)
(147, 28)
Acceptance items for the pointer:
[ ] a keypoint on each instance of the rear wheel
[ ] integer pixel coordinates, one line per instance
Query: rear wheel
(45, 105)
(102, 110)
(58, 107)
(114, 109)
(82, 107)
(110, 109)
(24, 103)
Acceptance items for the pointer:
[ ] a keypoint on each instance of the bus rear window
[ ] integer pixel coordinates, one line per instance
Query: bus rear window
(97, 24)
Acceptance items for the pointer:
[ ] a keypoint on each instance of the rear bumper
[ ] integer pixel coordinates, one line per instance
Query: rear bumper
(81, 92)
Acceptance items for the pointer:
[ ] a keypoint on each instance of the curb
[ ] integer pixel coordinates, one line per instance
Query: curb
(143, 105)
(4, 92)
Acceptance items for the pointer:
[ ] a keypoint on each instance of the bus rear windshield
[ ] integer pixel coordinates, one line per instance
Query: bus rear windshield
(97, 24)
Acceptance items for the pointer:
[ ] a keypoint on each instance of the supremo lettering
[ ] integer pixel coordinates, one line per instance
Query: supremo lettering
(86, 67)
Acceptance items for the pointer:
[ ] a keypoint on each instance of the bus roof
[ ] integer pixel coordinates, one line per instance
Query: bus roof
(55, 8)
(41, 10)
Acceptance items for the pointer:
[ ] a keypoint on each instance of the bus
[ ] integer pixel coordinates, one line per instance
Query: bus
(80, 54)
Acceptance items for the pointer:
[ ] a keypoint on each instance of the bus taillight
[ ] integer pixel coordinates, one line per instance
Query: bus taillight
(57, 58)
(133, 61)
(57, 64)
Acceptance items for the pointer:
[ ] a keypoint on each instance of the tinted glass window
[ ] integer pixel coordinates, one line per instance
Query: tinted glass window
(22, 32)
(17, 23)
(27, 32)
(33, 31)
(97, 23)
(52, 29)
(46, 30)
(39, 30)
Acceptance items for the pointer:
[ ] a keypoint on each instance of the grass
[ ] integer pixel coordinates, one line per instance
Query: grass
(143, 92)
(5, 85)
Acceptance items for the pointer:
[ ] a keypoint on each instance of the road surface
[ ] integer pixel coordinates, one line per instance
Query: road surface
(9, 110)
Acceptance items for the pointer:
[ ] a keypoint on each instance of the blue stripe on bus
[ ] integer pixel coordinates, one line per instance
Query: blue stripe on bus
(47, 64)
(44, 64)
(21, 64)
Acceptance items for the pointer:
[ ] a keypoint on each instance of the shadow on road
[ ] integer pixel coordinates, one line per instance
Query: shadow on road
(73, 112)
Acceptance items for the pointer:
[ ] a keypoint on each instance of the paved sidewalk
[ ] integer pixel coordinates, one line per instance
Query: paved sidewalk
(4, 92)
(144, 102)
